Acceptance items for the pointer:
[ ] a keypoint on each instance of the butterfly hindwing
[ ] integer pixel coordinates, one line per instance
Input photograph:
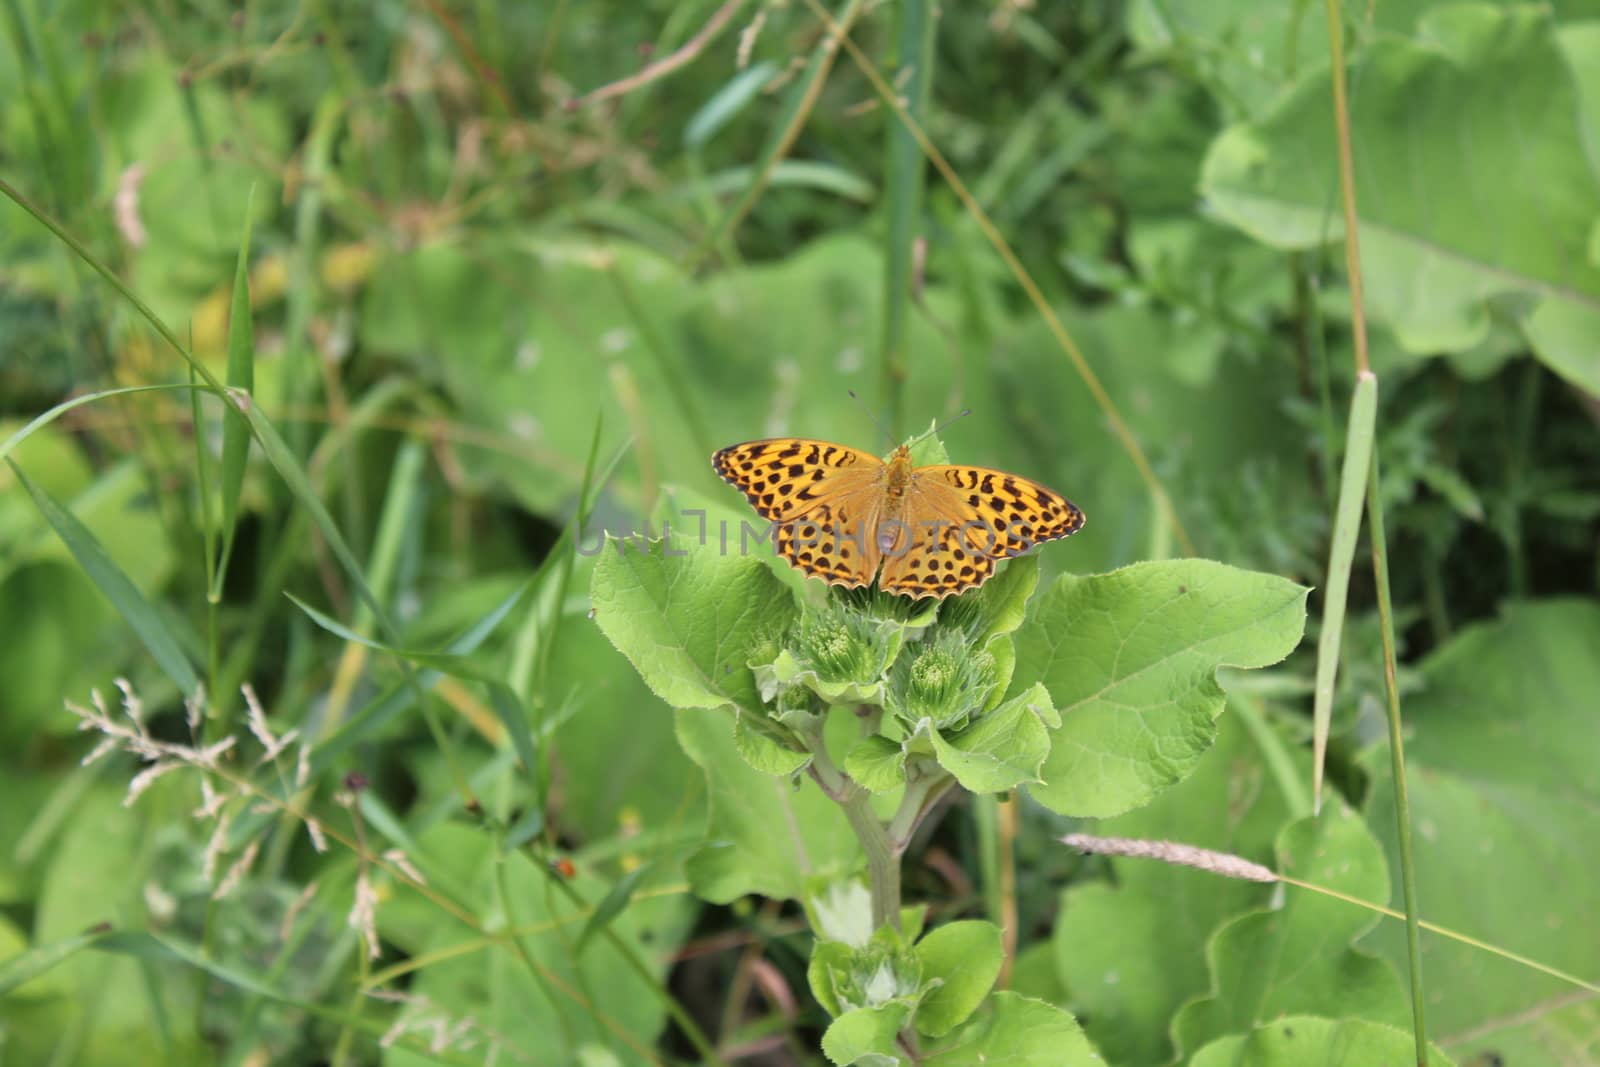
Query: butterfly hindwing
(828, 542)
(938, 562)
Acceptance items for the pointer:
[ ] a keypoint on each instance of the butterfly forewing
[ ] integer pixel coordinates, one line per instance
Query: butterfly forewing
(821, 498)
(785, 477)
(1005, 514)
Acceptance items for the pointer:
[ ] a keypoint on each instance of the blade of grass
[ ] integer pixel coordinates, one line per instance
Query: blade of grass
(395, 525)
(903, 185)
(31, 963)
(146, 946)
(41, 421)
(399, 697)
(117, 587)
(725, 103)
(1380, 566)
(1341, 552)
(272, 443)
(1036, 297)
(241, 377)
(1397, 757)
(614, 903)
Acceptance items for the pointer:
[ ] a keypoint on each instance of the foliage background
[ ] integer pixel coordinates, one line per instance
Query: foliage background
(461, 264)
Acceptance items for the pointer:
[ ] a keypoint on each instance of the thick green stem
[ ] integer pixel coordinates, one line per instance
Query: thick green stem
(883, 858)
(883, 862)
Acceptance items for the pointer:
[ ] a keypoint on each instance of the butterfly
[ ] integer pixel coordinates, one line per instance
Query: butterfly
(847, 516)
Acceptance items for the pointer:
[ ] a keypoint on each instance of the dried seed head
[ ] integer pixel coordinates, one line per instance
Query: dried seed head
(1204, 859)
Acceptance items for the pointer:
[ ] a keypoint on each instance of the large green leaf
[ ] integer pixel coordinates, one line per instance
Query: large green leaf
(1500, 752)
(1473, 181)
(523, 997)
(1130, 659)
(766, 835)
(1297, 957)
(687, 618)
(620, 762)
(965, 957)
(1132, 949)
(1019, 1032)
(1003, 748)
(1308, 1041)
(96, 876)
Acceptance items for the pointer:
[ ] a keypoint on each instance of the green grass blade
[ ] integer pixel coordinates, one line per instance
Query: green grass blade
(1346, 529)
(41, 421)
(118, 588)
(727, 102)
(445, 662)
(614, 903)
(241, 377)
(400, 697)
(1397, 757)
(145, 946)
(31, 963)
(513, 716)
(277, 452)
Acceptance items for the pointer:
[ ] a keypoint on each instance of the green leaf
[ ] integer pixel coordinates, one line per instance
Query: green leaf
(877, 763)
(1018, 1031)
(1002, 748)
(1441, 236)
(1500, 746)
(867, 1036)
(965, 958)
(117, 587)
(1130, 660)
(829, 961)
(1132, 948)
(688, 618)
(761, 750)
(1307, 1041)
(1297, 958)
(764, 835)
(999, 605)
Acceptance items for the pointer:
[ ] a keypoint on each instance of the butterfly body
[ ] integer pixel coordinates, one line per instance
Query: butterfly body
(847, 517)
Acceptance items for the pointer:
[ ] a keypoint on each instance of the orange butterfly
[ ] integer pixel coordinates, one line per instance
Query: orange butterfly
(841, 515)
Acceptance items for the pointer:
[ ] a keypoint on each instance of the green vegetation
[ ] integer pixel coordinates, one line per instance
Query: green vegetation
(387, 678)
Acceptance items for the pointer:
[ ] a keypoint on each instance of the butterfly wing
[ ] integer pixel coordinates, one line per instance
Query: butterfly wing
(820, 496)
(963, 519)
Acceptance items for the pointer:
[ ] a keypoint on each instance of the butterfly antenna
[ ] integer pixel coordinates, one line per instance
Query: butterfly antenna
(879, 423)
(941, 427)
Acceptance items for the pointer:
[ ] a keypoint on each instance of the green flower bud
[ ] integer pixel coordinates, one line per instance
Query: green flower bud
(944, 680)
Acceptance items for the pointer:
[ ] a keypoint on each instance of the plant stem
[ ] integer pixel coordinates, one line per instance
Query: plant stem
(883, 857)
(883, 861)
